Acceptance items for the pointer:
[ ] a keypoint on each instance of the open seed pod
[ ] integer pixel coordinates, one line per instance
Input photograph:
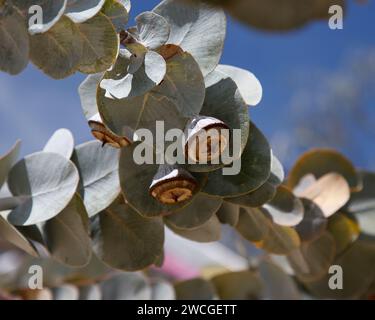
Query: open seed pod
(103, 134)
(137, 175)
(205, 139)
(87, 91)
(172, 185)
(254, 169)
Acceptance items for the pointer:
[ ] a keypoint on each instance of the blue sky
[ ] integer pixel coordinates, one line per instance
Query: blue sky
(33, 106)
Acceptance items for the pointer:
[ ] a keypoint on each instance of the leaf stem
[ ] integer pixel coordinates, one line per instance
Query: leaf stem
(11, 203)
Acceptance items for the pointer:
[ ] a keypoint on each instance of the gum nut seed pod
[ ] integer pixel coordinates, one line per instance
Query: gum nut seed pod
(103, 134)
(205, 141)
(172, 185)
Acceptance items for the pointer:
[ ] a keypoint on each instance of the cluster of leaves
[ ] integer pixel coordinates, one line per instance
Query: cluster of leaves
(322, 216)
(83, 35)
(96, 281)
(169, 71)
(328, 219)
(72, 36)
(277, 15)
(64, 194)
(73, 203)
(53, 194)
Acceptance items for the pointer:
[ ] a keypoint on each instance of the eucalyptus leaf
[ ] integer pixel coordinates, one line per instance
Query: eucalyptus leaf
(153, 30)
(67, 236)
(224, 103)
(277, 285)
(14, 42)
(98, 169)
(52, 12)
(192, 28)
(344, 230)
(357, 265)
(313, 259)
(255, 169)
(285, 209)
(90, 292)
(177, 98)
(208, 232)
(306, 181)
(291, 14)
(94, 271)
(11, 234)
(56, 274)
(117, 13)
(320, 162)
(252, 224)
(65, 292)
(266, 192)
(242, 285)
(58, 51)
(136, 52)
(196, 213)
(7, 161)
(331, 192)
(35, 233)
(248, 85)
(126, 4)
(256, 225)
(87, 93)
(82, 10)
(47, 182)
(162, 290)
(61, 142)
(135, 83)
(366, 221)
(229, 213)
(160, 260)
(277, 171)
(280, 240)
(100, 44)
(195, 289)
(364, 200)
(125, 240)
(313, 224)
(256, 198)
(126, 286)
